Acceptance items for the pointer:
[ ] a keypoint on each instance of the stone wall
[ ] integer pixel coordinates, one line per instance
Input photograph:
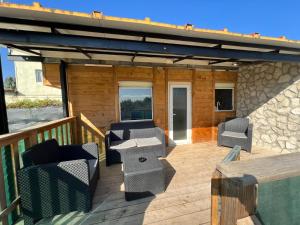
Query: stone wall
(269, 94)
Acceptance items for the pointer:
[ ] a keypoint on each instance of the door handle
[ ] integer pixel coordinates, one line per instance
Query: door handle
(174, 114)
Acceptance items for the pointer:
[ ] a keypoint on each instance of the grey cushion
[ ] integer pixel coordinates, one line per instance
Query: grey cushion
(234, 134)
(142, 133)
(93, 163)
(123, 131)
(142, 142)
(123, 144)
(239, 125)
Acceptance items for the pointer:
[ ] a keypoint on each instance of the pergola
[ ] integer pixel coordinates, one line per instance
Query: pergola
(56, 36)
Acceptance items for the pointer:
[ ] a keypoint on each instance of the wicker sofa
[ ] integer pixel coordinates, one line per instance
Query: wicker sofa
(135, 137)
(236, 131)
(57, 179)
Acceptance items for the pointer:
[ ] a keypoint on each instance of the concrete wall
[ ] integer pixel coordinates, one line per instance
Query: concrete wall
(27, 86)
(269, 94)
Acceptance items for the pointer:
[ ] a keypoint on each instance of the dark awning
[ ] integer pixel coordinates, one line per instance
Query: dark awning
(49, 35)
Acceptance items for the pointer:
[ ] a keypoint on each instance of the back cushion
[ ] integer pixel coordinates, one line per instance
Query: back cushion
(125, 130)
(43, 153)
(239, 125)
(142, 133)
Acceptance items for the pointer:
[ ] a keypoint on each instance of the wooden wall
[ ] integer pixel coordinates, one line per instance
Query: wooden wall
(93, 96)
(51, 75)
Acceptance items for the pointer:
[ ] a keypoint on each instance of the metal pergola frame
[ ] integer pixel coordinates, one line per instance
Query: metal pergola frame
(55, 40)
(53, 26)
(27, 38)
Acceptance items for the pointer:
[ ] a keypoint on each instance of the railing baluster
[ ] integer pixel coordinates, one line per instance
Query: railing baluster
(50, 134)
(67, 133)
(42, 135)
(16, 162)
(16, 165)
(3, 203)
(60, 135)
(73, 126)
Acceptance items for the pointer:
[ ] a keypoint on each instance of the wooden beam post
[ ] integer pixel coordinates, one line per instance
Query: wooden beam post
(64, 88)
(3, 112)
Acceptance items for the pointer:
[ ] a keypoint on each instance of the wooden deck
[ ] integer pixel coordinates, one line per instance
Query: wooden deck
(186, 200)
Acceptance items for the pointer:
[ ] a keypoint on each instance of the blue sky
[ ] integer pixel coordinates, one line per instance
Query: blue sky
(267, 17)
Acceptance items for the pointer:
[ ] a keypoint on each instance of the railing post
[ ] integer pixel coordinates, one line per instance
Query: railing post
(215, 195)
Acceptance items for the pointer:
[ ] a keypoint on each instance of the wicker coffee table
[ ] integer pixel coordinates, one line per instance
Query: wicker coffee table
(144, 176)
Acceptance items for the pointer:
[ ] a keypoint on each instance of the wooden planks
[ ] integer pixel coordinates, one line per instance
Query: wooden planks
(263, 169)
(186, 200)
(93, 95)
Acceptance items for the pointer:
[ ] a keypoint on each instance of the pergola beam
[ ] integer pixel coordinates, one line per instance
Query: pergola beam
(49, 39)
(89, 51)
(222, 61)
(183, 58)
(24, 49)
(115, 63)
(84, 53)
(144, 35)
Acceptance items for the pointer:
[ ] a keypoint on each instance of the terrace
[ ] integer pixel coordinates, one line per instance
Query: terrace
(187, 198)
(93, 62)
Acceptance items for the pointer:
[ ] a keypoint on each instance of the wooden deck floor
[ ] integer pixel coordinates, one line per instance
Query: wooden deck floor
(186, 200)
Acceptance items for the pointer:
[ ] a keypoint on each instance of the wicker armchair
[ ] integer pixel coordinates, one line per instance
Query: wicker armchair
(237, 131)
(57, 179)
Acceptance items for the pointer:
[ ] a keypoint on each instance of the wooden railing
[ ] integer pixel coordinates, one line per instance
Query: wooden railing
(12, 145)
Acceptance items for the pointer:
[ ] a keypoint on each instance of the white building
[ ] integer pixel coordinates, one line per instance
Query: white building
(31, 83)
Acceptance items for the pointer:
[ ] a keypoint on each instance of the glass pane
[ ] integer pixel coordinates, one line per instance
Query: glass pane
(136, 103)
(223, 99)
(179, 113)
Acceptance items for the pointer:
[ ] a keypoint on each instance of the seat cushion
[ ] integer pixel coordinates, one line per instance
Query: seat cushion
(234, 134)
(92, 167)
(142, 142)
(123, 144)
(43, 153)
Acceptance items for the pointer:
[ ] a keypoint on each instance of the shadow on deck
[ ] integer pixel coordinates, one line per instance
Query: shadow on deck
(185, 201)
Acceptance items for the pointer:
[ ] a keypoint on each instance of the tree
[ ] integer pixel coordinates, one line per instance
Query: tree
(10, 83)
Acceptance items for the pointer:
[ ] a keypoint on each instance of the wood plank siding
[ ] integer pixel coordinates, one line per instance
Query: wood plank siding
(93, 95)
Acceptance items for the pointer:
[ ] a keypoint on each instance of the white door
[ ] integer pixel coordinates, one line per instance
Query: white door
(180, 108)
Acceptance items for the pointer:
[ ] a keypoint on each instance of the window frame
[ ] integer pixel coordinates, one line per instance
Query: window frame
(225, 86)
(42, 76)
(135, 87)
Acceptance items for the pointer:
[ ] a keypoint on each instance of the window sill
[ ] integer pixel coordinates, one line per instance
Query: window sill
(232, 110)
(132, 121)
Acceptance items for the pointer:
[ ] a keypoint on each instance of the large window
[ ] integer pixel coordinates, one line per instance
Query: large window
(135, 101)
(224, 97)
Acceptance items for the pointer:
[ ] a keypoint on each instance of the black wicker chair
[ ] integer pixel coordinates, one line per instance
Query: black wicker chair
(57, 179)
(237, 131)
